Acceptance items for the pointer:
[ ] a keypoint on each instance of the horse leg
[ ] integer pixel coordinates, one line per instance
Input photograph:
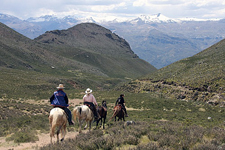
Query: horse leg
(58, 131)
(50, 122)
(57, 137)
(85, 127)
(89, 125)
(51, 135)
(80, 124)
(63, 132)
(103, 123)
(52, 132)
(97, 123)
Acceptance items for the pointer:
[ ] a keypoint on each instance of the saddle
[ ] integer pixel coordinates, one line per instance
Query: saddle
(62, 109)
(58, 107)
(119, 105)
(89, 106)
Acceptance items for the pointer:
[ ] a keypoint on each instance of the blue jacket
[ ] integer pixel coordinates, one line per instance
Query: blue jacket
(59, 98)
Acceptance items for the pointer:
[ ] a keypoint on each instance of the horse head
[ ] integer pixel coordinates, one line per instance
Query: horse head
(104, 104)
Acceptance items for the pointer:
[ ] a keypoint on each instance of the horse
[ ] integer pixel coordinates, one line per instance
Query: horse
(118, 112)
(83, 113)
(57, 119)
(102, 111)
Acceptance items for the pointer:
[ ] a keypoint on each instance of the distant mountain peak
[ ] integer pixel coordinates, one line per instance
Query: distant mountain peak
(159, 18)
(42, 18)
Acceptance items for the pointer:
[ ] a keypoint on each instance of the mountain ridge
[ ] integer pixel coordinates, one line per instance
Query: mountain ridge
(201, 34)
(91, 37)
(30, 65)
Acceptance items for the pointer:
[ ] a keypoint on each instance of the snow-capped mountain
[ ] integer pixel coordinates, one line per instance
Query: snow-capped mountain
(155, 38)
(158, 18)
(43, 18)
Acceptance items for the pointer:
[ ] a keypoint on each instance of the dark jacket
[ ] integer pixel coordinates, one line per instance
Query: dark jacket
(59, 98)
(120, 100)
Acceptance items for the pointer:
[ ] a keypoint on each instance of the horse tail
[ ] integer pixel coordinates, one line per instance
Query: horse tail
(74, 112)
(80, 110)
(114, 114)
(52, 134)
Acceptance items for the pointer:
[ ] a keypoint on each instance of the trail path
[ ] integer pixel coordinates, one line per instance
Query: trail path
(44, 138)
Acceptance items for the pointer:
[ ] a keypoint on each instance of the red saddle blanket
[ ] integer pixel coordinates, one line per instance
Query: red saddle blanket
(117, 106)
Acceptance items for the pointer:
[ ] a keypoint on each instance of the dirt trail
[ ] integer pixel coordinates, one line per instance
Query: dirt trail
(44, 138)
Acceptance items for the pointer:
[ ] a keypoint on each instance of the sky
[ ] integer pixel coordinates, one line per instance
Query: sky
(111, 9)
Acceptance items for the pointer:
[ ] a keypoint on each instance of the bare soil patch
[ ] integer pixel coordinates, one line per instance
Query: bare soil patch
(44, 139)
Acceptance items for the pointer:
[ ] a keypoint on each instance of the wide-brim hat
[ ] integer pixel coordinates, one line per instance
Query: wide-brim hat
(88, 91)
(60, 86)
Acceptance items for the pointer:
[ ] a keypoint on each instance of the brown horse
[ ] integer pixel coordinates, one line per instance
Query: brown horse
(118, 112)
(102, 111)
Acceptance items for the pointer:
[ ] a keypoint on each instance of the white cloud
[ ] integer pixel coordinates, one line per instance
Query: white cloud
(140, 3)
(170, 8)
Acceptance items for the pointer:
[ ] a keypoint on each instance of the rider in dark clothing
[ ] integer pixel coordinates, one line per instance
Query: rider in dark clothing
(60, 99)
(121, 101)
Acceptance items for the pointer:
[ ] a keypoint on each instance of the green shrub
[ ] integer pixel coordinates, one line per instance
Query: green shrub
(25, 135)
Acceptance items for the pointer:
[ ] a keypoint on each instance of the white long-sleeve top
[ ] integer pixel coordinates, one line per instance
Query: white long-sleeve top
(90, 98)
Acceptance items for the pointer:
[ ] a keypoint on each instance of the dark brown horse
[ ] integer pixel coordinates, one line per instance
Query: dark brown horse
(102, 110)
(118, 112)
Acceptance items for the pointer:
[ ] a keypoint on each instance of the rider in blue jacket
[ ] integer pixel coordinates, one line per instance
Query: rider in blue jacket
(60, 99)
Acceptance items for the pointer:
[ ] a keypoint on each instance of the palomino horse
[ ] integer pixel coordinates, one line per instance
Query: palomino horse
(118, 112)
(57, 119)
(83, 113)
(102, 111)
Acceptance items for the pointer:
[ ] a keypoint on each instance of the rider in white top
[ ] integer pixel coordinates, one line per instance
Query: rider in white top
(90, 100)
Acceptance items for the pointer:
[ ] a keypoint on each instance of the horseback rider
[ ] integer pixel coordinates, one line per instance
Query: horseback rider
(90, 101)
(60, 99)
(121, 101)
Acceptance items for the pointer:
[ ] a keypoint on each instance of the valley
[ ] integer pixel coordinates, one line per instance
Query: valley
(180, 106)
(157, 39)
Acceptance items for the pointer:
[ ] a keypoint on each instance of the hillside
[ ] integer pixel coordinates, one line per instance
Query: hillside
(156, 38)
(29, 67)
(200, 77)
(19, 52)
(99, 47)
(91, 37)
